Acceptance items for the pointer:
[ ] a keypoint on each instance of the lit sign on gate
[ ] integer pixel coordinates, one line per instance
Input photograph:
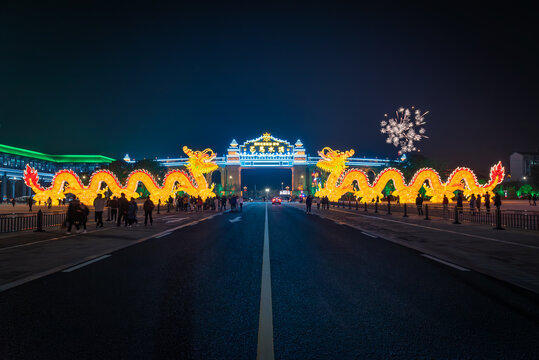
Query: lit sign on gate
(266, 145)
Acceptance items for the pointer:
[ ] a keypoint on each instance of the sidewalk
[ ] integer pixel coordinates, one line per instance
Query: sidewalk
(509, 255)
(28, 255)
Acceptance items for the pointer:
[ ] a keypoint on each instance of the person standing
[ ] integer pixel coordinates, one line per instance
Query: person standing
(309, 203)
(13, 202)
(72, 215)
(472, 204)
(49, 202)
(240, 201)
(199, 204)
(123, 207)
(460, 202)
(83, 216)
(317, 203)
(30, 203)
(132, 212)
(113, 204)
(419, 204)
(534, 199)
(99, 205)
(487, 202)
(148, 209)
(223, 203)
(216, 203)
(445, 203)
(478, 203)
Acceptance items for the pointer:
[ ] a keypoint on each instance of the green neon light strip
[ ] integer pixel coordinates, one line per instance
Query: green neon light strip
(55, 158)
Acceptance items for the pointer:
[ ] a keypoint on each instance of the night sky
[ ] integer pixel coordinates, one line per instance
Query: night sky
(145, 80)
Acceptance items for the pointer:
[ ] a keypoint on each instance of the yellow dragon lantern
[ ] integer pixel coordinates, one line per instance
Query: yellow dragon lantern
(192, 182)
(341, 181)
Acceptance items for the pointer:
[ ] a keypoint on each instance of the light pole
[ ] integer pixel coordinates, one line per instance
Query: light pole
(282, 184)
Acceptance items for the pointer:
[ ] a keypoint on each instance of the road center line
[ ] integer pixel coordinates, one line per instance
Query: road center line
(85, 263)
(445, 262)
(265, 323)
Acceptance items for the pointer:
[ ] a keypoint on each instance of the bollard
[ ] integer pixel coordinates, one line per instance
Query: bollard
(389, 208)
(376, 208)
(365, 206)
(405, 211)
(498, 219)
(39, 222)
(456, 222)
(427, 212)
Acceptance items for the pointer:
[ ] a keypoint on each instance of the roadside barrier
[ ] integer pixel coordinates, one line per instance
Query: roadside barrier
(499, 219)
(34, 221)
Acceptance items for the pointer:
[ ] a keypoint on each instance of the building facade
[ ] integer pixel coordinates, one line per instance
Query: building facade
(521, 163)
(13, 161)
(267, 151)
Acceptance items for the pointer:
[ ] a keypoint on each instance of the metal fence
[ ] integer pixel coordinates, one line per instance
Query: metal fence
(29, 221)
(508, 218)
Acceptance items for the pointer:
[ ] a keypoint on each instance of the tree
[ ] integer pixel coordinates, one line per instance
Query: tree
(120, 168)
(151, 166)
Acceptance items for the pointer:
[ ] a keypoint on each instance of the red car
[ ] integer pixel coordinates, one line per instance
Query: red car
(276, 200)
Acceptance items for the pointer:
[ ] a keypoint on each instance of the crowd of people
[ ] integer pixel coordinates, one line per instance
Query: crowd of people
(475, 201)
(124, 211)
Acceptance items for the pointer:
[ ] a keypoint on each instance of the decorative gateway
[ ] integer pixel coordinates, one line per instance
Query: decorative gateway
(341, 181)
(192, 182)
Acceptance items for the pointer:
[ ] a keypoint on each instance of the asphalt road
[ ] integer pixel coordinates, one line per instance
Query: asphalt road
(336, 294)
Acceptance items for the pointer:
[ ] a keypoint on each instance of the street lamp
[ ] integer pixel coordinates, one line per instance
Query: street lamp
(282, 184)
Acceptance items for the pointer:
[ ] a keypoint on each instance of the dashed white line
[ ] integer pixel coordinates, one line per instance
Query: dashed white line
(163, 235)
(265, 324)
(442, 230)
(371, 235)
(85, 263)
(445, 263)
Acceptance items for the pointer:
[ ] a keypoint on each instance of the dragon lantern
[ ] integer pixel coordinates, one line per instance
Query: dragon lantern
(192, 182)
(341, 180)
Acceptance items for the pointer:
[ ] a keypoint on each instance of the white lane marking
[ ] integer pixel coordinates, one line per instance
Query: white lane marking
(19, 282)
(162, 235)
(445, 262)
(442, 230)
(176, 220)
(265, 323)
(85, 263)
(47, 240)
(371, 235)
(236, 219)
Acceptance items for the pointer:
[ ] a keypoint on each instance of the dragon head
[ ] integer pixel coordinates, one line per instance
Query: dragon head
(333, 160)
(200, 162)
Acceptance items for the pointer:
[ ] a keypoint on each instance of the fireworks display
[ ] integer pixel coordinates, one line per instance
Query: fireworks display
(405, 129)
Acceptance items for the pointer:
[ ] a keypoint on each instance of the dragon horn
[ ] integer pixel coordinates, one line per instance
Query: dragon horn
(187, 151)
(208, 150)
(323, 152)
